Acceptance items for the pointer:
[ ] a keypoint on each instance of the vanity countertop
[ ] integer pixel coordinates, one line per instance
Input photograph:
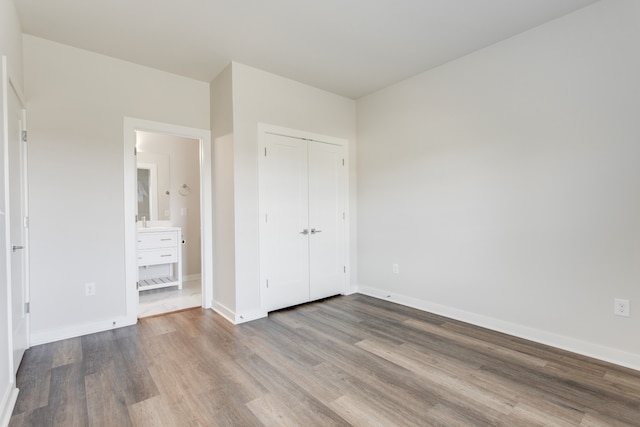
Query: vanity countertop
(152, 229)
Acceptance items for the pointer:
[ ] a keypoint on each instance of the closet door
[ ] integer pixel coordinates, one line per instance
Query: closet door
(284, 211)
(326, 220)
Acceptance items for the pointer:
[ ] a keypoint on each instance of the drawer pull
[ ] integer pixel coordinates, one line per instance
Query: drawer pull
(164, 240)
(164, 256)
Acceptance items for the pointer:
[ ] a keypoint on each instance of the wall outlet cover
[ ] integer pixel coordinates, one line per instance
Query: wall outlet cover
(621, 307)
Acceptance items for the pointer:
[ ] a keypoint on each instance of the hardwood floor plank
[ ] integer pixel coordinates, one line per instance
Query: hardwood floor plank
(67, 397)
(106, 404)
(154, 412)
(67, 352)
(342, 361)
(34, 379)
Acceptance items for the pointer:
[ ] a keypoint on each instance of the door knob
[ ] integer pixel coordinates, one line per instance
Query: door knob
(305, 232)
(314, 231)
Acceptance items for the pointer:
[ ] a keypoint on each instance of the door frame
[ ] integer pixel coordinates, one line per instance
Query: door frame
(131, 125)
(24, 202)
(263, 130)
(10, 87)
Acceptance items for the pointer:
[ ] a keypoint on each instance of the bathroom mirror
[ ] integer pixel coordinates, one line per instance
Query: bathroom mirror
(153, 186)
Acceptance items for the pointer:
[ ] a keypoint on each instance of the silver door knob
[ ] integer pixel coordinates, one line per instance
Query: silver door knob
(305, 232)
(15, 248)
(314, 231)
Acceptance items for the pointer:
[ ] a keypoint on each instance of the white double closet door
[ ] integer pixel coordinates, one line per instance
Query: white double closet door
(302, 224)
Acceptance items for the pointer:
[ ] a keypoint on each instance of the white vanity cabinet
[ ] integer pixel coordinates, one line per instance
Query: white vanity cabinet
(159, 258)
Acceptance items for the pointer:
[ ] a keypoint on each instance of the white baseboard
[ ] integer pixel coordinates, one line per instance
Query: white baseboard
(237, 318)
(45, 337)
(596, 351)
(7, 403)
(224, 312)
(248, 316)
(190, 277)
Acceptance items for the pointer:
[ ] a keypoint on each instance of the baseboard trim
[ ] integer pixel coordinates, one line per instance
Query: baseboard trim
(46, 337)
(190, 277)
(248, 316)
(8, 403)
(237, 318)
(596, 351)
(223, 311)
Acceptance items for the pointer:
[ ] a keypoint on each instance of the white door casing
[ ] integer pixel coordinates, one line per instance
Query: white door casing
(131, 125)
(302, 217)
(17, 153)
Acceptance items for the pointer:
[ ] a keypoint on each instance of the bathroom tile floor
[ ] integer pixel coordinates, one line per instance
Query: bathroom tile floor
(165, 300)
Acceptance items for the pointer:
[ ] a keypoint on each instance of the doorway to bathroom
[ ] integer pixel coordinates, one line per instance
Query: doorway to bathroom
(168, 192)
(168, 196)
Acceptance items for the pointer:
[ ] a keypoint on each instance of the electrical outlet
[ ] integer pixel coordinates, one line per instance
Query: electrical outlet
(621, 307)
(396, 269)
(89, 289)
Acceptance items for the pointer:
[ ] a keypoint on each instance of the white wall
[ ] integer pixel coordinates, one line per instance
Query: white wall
(259, 96)
(11, 48)
(184, 168)
(77, 101)
(11, 40)
(506, 185)
(224, 289)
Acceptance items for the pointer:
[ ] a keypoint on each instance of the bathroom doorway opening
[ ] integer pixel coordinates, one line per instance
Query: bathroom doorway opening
(168, 213)
(168, 196)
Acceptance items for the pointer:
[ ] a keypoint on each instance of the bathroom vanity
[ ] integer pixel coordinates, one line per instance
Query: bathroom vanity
(159, 258)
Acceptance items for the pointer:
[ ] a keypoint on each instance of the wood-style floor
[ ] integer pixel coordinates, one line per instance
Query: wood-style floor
(344, 361)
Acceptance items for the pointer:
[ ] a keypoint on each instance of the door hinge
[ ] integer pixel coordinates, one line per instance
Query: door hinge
(24, 136)
(135, 150)
(27, 307)
(265, 151)
(25, 222)
(342, 162)
(344, 269)
(344, 216)
(267, 283)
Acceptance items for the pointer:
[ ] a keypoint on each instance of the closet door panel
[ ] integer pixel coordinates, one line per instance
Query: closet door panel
(284, 210)
(326, 208)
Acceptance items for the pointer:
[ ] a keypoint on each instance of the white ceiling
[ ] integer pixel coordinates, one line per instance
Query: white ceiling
(349, 47)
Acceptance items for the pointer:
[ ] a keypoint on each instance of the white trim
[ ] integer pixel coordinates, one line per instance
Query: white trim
(584, 348)
(265, 128)
(7, 404)
(224, 311)
(248, 316)
(190, 277)
(80, 330)
(131, 125)
(7, 222)
(236, 318)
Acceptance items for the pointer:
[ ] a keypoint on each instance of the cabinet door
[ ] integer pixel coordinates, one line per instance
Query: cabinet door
(284, 250)
(326, 220)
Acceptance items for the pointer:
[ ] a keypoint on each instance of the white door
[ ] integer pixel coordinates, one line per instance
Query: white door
(284, 230)
(302, 221)
(326, 220)
(17, 236)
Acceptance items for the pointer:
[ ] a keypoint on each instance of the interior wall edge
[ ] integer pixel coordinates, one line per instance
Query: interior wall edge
(596, 351)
